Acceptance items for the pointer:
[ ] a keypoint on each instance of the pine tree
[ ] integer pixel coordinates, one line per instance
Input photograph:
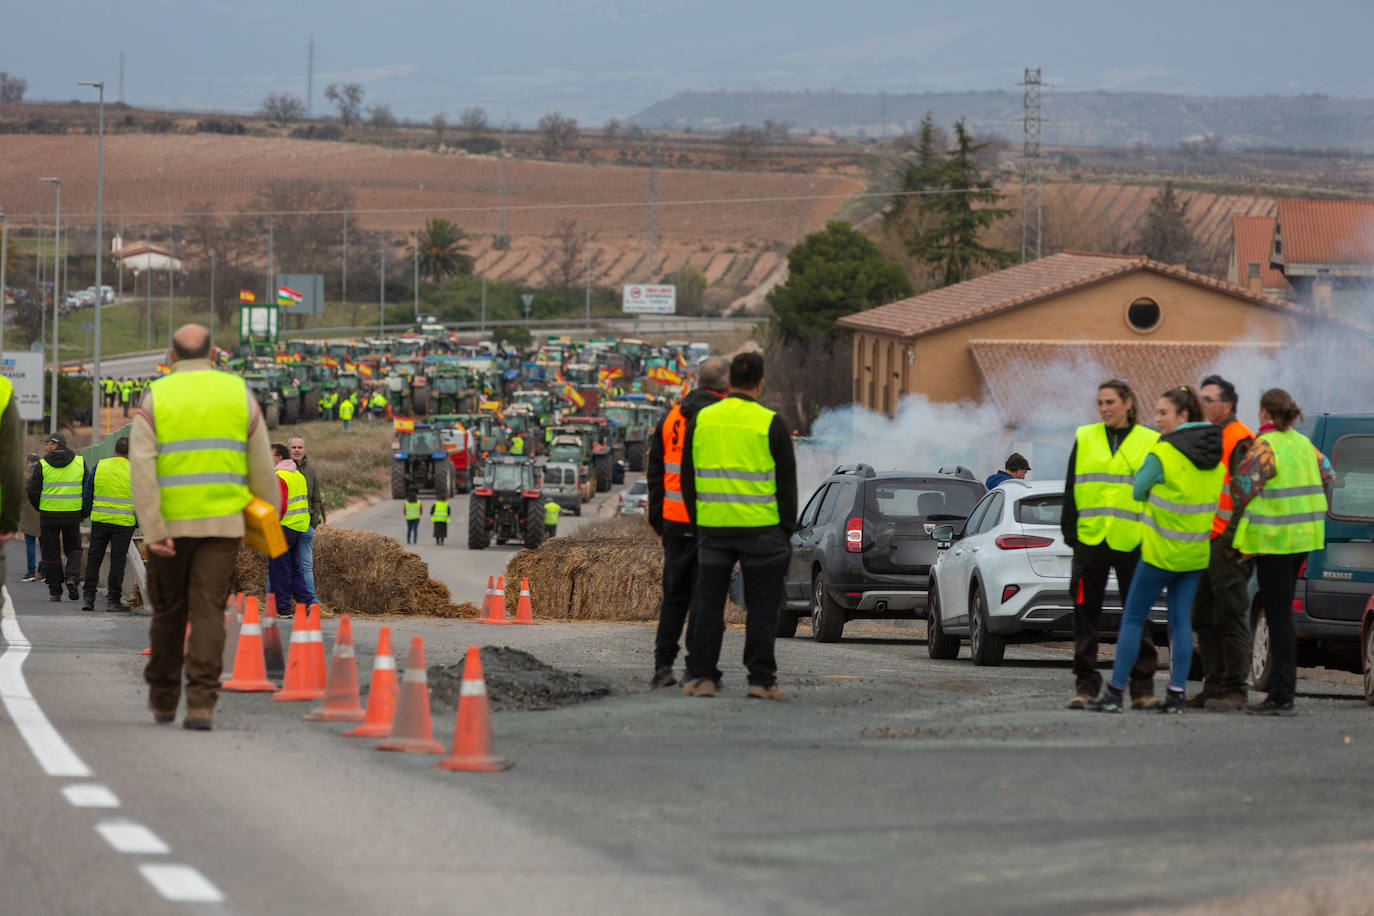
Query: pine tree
(951, 243)
(1166, 234)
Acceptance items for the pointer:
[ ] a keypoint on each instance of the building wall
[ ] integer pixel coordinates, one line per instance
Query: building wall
(942, 368)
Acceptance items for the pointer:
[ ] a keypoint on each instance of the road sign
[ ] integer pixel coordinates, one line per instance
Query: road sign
(641, 299)
(527, 298)
(25, 372)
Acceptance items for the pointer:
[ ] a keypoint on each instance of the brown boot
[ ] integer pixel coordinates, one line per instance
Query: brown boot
(200, 720)
(1231, 702)
(1199, 701)
(759, 692)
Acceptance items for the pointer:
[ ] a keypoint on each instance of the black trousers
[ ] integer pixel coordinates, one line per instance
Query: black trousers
(57, 540)
(116, 538)
(679, 582)
(1221, 621)
(1087, 587)
(1277, 575)
(763, 559)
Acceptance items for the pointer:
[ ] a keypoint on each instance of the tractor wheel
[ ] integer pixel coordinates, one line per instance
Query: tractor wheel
(312, 406)
(478, 534)
(602, 466)
(535, 532)
(634, 456)
(398, 481)
(443, 478)
(272, 415)
(421, 404)
(292, 416)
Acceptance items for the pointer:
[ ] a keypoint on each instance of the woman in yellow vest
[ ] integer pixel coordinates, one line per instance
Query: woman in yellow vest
(284, 574)
(413, 510)
(1280, 496)
(440, 512)
(1179, 483)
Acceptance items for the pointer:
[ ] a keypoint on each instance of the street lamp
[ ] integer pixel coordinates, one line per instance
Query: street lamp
(56, 273)
(96, 425)
(4, 256)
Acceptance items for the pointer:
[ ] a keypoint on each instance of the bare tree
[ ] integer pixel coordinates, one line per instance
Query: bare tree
(282, 108)
(439, 124)
(380, 117)
(557, 133)
(12, 89)
(473, 119)
(570, 264)
(611, 128)
(743, 142)
(777, 131)
(348, 98)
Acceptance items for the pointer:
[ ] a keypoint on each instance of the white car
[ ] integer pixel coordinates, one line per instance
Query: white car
(634, 499)
(1003, 576)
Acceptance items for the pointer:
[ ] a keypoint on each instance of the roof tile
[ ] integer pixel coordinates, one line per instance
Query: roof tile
(1327, 231)
(1254, 240)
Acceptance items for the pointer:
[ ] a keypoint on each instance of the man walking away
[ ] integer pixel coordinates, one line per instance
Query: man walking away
(1101, 522)
(552, 510)
(739, 482)
(315, 502)
(109, 501)
(413, 510)
(284, 572)
(346, 411)
(11, 468)
(440, 512)
(55, 491)
(1016, 469)
(668, 514)
(198, 454)
(1221, 607)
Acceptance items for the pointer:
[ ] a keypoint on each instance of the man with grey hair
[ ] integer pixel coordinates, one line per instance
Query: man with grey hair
(315, 501)
(668, 513)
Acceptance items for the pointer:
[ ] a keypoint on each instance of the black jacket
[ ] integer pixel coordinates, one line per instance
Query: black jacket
(58, 458)
(780, 445)
(1199, 444)
(653, 476)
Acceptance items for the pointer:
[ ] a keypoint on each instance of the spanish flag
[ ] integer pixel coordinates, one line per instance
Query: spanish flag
(403, 424)
(605, 375)
(331, 362)
(163, 369)
(572, 394)
(365, 370)
(246, 295)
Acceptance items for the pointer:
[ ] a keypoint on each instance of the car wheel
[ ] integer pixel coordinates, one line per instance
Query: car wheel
(939, 644)
(827, 618)
(1367, 654)
(986, 648)
(1261, 654)
(787, 623)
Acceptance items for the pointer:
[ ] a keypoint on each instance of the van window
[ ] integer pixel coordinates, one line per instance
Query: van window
(553, 475)
(1353, 461)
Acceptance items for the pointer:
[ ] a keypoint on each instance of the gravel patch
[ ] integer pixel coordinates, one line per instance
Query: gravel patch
(515, 680)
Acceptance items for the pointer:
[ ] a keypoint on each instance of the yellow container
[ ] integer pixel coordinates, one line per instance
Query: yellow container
(262, 529)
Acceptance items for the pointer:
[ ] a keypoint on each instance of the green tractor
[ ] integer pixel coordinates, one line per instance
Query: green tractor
(540, 400)
(266, 393)
(636, 417)
(420, 462)
(307, 378)
(451, 391)
(490, 431)
(591, 434)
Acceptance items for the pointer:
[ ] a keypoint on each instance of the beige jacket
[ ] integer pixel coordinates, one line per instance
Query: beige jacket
(143, 471)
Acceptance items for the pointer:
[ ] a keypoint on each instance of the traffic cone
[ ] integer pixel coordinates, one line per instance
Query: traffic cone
(249, 674)
(381, 692)
(232, 625)
(271, 641)
(472, 729)
(411, 730)
(300, 679)
(486, 598)
(317, 659)
(498, 604)
(341, 699)
(524, 611)
(238, 606)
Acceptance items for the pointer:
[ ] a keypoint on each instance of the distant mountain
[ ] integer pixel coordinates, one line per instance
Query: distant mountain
(1069, 118)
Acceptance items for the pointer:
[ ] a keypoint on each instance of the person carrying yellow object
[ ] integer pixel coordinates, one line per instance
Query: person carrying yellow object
(109, 501)
(1101, 521)
(285, 577)
(1281, 495)
(1179, 484)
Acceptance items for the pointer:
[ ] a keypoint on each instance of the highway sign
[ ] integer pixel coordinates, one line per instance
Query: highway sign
(641, 299)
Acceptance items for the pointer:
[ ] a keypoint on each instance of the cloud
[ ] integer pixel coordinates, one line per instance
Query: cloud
(368, 74)
(1121, 77)
(908, 46)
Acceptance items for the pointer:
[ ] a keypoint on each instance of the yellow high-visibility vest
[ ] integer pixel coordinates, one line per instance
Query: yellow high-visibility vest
(1289, 514)
(112, 495)
(733, 467)
(1107, 510)
(201, 420)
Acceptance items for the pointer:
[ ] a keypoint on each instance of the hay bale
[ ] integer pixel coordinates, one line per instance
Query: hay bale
(361, 572)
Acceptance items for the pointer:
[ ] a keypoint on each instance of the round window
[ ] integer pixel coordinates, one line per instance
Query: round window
(1143, 314)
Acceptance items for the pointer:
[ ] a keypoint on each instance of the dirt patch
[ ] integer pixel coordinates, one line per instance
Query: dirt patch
(515, 680)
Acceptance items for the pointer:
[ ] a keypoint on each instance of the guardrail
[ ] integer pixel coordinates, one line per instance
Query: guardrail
(646, 324)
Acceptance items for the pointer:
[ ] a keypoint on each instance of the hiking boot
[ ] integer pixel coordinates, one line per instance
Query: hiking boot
(1080, 702)
(199, 720)
(1109, 700)
(760, 692)
(73, 589)
(162, 718)
(700, 687)
(1198, 701)
(1173, 703)
(1231, 702)
(1150, 702)
(663, 677)
(1268, 707)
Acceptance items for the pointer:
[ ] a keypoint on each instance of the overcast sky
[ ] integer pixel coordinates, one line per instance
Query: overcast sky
(595, 59)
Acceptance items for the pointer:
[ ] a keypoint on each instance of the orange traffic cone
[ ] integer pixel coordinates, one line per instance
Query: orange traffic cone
(232, 625)
(249, 674)
(381, 692)
(317, 659)
(472, 730)
(498, 604)
(341, 699)
(411, 729)
(238, 606)
(300, 678)
(486, 598)
(271, 641)
(524, 611)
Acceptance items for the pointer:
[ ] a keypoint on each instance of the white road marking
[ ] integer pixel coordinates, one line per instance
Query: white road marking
(90, 795)
(53, 754)
(128, 836)
(181, 883)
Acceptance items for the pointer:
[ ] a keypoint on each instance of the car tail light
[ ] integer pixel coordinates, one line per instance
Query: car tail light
(1009, 591)
(1297, 605)
(854, 536)
(1022, 541)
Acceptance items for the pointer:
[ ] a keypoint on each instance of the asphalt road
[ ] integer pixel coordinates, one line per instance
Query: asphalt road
(886, 783)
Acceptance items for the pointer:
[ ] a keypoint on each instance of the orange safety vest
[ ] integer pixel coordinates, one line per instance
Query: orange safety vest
(1231, 435)
(674, 431)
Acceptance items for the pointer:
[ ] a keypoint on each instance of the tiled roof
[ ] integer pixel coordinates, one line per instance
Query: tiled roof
(1327, 231)
(137, 248)
(1254, 239)
(1023, 285)
(1037, 383)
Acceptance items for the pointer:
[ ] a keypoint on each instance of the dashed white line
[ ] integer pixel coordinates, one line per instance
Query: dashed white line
(131, 837)
(53, 754)
(181, 883)
(90, 795)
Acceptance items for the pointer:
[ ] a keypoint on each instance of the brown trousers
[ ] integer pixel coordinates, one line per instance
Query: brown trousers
(190, 587)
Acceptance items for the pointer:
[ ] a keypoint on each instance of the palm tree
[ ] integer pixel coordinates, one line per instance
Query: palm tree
(443, 251)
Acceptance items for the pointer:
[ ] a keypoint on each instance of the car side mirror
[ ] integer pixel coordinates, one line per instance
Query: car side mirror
(943, 535)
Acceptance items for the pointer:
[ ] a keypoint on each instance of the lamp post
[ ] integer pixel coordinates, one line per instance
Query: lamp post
(4, 255)
(56, 272)
(96, 424)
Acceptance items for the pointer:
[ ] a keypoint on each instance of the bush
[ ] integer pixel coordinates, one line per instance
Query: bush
(318, 132)
(221, 126)
(480, 146)
(161, 126)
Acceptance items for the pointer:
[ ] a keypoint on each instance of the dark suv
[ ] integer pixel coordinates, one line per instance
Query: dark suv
(863, 549)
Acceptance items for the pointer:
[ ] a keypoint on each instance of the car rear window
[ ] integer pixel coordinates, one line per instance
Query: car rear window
(1040, 510)
(553, 475)
(1353, 461)
(906, 500)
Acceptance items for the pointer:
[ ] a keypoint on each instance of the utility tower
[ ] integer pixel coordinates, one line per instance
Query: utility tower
(121, 77)
(651, 229)
(310, 77)
(502, 240)
(1031, 178)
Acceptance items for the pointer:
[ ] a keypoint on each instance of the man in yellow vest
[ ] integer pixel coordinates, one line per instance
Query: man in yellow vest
(517, 444)
(55, 491)
(440, 512)
(11, 468)
(1101, 521)
(198, 454)
(110, 388)
(346, 411)
(285, 577)
(126, 394)
(739, 483)
(108, 499)
(551, 513)
(377, 403)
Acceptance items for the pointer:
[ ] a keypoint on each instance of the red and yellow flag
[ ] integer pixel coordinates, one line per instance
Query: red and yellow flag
(572, 394)
(403, 424)
(246, 295)
(331, 362)
(365, 370)
(163, 369)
